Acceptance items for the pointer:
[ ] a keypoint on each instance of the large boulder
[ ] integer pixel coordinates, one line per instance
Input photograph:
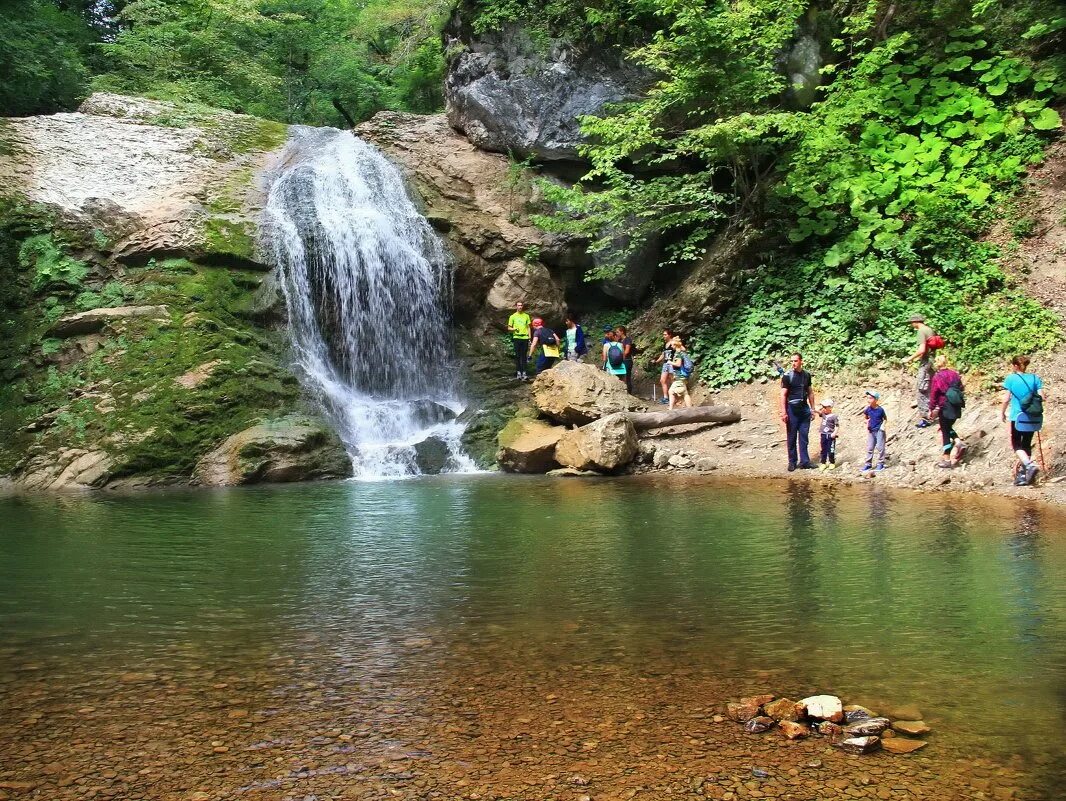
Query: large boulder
(511, 94)
(528, 446)
(530, 283)
(576, 393)
(606, 444)
(292, 448)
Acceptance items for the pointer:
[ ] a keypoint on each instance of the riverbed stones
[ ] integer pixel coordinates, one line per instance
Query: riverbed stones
(855, 712)
(860, 745)
(913, 728)
(291, 448)
(759, 724)
(528, 446)
(826, 728)
(823, 707)
(867, 727)
(783, 709)
(902, 745)
(575, 393)
(793, 730)
(741, 712)
(904, 712)
(606, 444)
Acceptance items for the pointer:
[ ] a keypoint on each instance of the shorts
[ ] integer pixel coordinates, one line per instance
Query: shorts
(679, 388)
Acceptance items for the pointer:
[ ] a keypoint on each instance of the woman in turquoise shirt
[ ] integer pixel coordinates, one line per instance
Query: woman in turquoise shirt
(1023, 397)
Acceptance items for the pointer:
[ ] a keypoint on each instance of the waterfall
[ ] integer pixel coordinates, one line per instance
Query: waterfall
(367, 285)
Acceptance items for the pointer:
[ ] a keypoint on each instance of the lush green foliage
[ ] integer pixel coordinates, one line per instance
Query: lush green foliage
(43, 57)
(874, 199)
(304, 61)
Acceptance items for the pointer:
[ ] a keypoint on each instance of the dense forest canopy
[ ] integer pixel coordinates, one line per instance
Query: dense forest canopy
(300, 61)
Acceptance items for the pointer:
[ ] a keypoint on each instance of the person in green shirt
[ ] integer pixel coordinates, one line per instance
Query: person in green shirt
(518, 324)
(923, 354)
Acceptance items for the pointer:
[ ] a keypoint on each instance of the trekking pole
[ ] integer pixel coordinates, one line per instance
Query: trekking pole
(1040, 445)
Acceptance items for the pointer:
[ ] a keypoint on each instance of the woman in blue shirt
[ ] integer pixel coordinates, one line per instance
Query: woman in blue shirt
(1023, 397)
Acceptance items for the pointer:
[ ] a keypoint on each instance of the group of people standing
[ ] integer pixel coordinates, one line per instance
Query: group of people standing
(940, 398)
(940, 393)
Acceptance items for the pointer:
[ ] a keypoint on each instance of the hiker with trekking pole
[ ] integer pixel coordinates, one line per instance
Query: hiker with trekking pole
(1024, 399)
(928, 343)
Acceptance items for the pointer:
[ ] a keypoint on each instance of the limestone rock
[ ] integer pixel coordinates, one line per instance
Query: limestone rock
(860, 745)
(793, 730)
(530, 283)
(528, 446)
(706, 464)
(759, 724)
(867, 727)
(824, 707)
(914, 728)
(605, 444)
(161, 195)
(783, 709)
(89, 322)
(758, 700)
(197, 376)
(292, 448)
(512, 94)
(576, 393)
(662, 458)
(69, 468)
(901, 745)
(680, 461)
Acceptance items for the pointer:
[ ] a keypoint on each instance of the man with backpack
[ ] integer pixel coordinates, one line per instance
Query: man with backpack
(946, 402)
(797, 409)
(928, 341)
(614, 355)
(629, 350)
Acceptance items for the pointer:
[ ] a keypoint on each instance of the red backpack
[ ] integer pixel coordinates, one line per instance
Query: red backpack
(935, 342)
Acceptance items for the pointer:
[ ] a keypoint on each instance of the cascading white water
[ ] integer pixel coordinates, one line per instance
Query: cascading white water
(367, 286)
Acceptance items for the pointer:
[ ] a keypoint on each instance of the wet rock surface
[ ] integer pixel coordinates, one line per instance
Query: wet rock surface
(528, 446)
(292, 448)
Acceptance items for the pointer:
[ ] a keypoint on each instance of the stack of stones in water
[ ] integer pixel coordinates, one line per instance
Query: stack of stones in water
(854, 729)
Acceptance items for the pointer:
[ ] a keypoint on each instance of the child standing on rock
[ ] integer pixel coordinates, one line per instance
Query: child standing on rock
(876, 417)
(830, 424)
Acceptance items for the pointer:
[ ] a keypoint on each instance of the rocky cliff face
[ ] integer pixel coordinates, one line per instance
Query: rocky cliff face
(136, 316)
(512, 94)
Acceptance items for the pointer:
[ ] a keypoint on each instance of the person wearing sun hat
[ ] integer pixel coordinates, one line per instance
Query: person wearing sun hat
(923, 354)
(829, 432)
(876, 417)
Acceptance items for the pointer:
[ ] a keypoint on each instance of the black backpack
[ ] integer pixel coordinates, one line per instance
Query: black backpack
(1032, 406)
(954, 400)
(615, 354)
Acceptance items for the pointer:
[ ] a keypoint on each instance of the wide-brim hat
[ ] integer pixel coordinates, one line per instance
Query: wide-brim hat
(916, 318)
(826, 403)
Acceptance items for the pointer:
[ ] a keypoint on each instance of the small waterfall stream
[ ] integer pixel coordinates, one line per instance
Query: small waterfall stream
(367, 285)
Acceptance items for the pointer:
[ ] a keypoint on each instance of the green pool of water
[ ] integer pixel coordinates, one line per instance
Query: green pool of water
(956, 605)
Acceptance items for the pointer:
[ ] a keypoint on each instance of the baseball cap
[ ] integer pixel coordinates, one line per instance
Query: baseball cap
(873, 393)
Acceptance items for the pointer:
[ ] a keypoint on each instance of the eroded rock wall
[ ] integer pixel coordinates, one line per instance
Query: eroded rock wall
(138, 323)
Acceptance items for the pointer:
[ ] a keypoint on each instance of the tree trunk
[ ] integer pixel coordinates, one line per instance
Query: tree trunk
(644, 421)
(343, 112)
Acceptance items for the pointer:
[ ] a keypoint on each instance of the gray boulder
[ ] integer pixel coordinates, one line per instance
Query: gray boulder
(431, 455)
(292, 448)
(511, 94)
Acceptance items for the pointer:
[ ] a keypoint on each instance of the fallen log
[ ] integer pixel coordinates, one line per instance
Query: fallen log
(644, 421)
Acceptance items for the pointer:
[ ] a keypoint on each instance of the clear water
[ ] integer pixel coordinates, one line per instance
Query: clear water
(367, 285)
(431, 615)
